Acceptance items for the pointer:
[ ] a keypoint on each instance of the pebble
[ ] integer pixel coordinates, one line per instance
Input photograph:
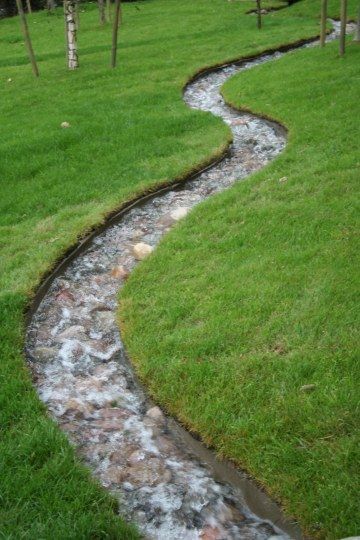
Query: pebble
(142, 250)
(119, 272)
(308, 388)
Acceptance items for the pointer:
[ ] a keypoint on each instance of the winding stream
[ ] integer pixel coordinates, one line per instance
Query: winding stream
(167, 484)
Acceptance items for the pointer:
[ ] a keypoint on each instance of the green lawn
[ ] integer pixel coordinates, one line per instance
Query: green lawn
(255, 295)
(129, 131)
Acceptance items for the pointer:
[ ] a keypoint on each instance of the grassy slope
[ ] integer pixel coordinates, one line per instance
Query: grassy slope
(254, 295)
(130, 130)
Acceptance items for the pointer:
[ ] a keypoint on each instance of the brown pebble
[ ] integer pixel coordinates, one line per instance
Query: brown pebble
(119, 272)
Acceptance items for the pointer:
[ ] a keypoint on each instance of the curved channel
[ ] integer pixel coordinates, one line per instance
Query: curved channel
(167, 483)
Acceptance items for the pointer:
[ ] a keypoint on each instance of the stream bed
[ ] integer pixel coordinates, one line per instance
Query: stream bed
(167, 483)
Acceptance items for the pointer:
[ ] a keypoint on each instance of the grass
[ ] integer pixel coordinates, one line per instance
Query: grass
(255, 295)
(129, 131)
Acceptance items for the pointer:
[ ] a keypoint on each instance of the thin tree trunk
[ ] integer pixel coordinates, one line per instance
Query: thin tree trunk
(28, 6)
(115, 32)
(343, 26)
(258, 9)
(323, 22)
(108, 10)
(27, 39)
(102, 14)
(357, 31)
(70, 29)
(50, 4)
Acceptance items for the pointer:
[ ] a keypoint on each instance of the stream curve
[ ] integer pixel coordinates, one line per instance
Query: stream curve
(168, 484)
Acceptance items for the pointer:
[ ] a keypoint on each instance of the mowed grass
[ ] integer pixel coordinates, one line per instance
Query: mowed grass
(130, 131)
(256, 294)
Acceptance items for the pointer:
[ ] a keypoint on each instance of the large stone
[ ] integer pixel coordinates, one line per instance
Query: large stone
(44, 354)
(179, 213)
(156, 414)
(142, 250)
(64, 296)
(109, 425)
(78, 408)
(149, 472)
(75, 331)
(114, 413)
(136, 456)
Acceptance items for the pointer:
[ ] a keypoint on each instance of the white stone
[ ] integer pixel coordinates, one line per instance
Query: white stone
(65, 124)
(142, 250)
(155, 413)
(308, 388)
(179, 213)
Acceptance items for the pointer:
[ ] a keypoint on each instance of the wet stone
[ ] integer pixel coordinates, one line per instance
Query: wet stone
(119, 272)
(141, 250)
(179, 213)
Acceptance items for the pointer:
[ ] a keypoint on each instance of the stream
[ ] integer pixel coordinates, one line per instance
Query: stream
(167, 483)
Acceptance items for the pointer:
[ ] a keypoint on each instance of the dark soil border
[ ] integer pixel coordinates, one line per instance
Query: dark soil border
(114, 217)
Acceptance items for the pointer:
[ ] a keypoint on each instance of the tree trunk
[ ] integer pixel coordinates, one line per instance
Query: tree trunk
(28, 6)
(50, 4)
(27, 39)
(70, 29)
(102, 14)
(323, 22)
(108, 10)
(258, 9)
(115, 32)
(343, 26)
(357, 31)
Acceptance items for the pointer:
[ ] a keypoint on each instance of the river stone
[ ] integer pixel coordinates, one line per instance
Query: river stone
(78, 408)
(156, 414)
(141, 251)
(44, 353)
(151, 472)
(119, 272)
(75, 331)
(179, 213)
(64, 296)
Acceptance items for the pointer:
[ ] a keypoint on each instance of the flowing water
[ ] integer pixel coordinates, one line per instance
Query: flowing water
(166, 484)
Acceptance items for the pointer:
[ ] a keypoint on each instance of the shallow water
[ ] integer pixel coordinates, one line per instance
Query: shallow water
(82, 374)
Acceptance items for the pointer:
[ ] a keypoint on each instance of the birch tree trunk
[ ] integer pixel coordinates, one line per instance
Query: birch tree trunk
(258, 9)
(27, 39)
(357, 30)
(343, 26)
(28, 6)
(117, 17)
(323, 22)
(102, 14)
(70, 29)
